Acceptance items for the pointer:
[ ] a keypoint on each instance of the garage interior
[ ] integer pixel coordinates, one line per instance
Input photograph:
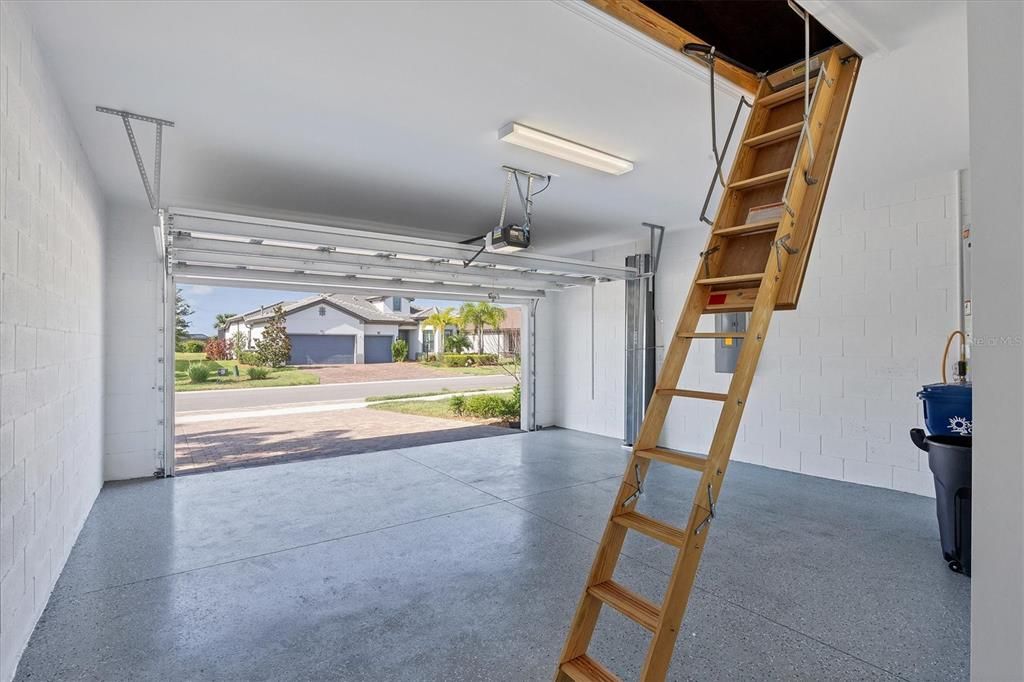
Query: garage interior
(364, 148)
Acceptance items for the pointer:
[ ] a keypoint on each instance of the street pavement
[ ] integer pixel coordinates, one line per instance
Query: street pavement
(233, 399)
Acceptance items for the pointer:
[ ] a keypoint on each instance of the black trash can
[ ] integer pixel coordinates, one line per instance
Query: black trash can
(949, 458)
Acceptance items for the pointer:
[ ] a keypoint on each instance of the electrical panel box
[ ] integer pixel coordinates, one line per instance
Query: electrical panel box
(727, 351)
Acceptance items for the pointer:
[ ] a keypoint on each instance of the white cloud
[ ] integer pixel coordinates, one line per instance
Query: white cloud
(198, 289)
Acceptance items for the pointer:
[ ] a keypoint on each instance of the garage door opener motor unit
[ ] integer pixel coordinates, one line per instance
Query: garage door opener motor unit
(509, 237)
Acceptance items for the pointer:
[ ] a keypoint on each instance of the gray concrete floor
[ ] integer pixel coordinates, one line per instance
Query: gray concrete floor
(464, 561)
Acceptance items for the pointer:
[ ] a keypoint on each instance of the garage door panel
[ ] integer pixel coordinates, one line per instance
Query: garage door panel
(377, 349)
(322, 349)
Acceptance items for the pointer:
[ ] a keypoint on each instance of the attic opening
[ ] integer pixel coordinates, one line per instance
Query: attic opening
(762, 35)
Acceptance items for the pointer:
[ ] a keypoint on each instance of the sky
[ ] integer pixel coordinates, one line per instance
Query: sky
(207, 301)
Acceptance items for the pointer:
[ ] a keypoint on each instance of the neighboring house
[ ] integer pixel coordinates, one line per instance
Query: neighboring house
(428, 340)
(328, 329)
(333, 329)
(503, 341)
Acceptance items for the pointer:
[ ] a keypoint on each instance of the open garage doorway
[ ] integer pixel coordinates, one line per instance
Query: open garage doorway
(270, 376)
(329, 340)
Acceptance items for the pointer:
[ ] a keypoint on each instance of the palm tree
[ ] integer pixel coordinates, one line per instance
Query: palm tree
(222, 320)
(493, 317)
(473, 315)
(441, 320)
(480, 315)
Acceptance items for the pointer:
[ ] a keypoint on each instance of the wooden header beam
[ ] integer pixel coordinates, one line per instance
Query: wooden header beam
(634, 13)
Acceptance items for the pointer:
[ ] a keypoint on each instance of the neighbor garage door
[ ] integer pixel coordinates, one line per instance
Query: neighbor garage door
(322, 349)
(377, 348)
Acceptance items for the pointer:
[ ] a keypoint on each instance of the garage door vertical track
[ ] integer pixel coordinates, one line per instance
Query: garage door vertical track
(748, 265)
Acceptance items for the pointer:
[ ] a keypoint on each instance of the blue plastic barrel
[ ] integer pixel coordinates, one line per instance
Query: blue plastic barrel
(947, 409)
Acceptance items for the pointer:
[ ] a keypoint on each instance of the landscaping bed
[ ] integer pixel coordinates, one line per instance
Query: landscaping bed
(278, 376)
(488, 408)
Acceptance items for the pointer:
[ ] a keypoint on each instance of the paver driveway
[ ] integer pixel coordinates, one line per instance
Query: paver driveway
(246, 442)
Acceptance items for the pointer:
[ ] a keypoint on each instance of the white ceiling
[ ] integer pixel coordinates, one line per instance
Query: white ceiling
(389, 111)
(383, 111)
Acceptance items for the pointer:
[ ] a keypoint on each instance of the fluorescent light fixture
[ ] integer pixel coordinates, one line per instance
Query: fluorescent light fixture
(561, 148)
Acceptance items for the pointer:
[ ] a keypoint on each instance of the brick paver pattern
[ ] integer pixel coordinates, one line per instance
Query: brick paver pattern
(237, 443)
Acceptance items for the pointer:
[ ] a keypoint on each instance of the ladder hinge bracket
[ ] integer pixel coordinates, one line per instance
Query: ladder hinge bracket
(638, 485)
(782, 244)
(704, 256)
(711, 513)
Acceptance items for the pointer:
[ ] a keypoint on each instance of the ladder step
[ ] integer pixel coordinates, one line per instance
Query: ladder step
(585, 669)
(629, 604)
(772, 136)
(731, 300)
(789, 94)
(757, 181)
(712, 335)
(748, 228)
(688, 460)
(732, 279)
(684, 393)
(652, 528)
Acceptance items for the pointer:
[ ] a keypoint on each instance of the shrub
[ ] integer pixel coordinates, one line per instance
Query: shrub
(399, 350)
(193, 346)
(257, 373)
(486, 406)
(274, 347)
(427, 357)
(456, 343)
(457, 403)
(198, 373)
(216, 349)
(236, 344)
(248, 357)
(470, 360)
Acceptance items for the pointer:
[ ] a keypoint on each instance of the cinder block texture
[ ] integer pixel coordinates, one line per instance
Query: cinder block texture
(835, 390)
(51, 333)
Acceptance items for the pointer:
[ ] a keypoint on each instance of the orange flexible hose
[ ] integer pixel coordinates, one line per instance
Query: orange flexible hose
(945, 353)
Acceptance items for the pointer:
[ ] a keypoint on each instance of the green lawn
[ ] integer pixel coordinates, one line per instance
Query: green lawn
(430, 408)
(407, 396)
(282, 376)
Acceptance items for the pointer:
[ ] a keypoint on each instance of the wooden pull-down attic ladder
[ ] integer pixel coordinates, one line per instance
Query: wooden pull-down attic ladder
(753, 266)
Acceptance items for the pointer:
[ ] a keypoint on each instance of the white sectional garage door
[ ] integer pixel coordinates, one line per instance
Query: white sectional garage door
(322, 349)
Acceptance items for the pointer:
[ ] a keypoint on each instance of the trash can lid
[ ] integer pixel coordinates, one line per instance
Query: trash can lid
(940, 390)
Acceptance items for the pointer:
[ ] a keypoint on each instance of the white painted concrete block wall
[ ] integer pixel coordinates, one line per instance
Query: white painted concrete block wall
(835, 390)
(133, 321)
(51, 326)
(997, 166)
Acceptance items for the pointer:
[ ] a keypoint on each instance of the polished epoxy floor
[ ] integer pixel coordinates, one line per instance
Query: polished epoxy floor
(463, 561)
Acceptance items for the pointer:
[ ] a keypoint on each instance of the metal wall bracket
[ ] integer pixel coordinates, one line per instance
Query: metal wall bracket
(152, 191)
(656, 243)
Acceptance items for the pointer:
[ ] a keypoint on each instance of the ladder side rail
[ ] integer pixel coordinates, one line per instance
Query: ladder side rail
(684, 572)
(609, 549)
